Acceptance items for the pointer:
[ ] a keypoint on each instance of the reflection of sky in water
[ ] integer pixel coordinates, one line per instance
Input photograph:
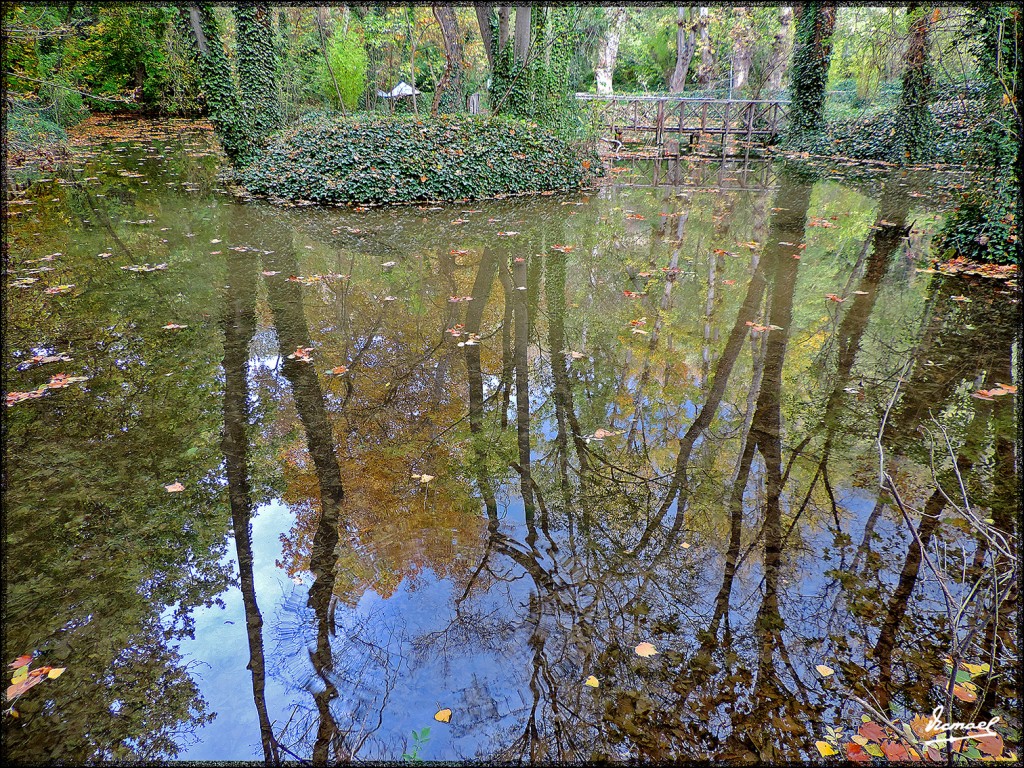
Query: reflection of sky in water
(427, 671)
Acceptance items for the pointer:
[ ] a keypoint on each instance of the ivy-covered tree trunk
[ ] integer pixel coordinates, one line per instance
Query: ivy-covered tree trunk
(222, 101)
(914, 140)
(686, 45)
(777, 64)
(812, 53)
(257, 69)
(243, 114)
(448, 97)
(608, 50)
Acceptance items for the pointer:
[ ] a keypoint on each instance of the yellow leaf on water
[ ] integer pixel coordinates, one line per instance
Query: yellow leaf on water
(824, 671)
(645, 650)
(55, 672)
(443, 715)
(976, 669)
(592, 681)
(174, 488)
(20, 674)
(826, 749)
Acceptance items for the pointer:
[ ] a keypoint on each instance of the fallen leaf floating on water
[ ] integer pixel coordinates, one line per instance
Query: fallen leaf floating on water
(174, 488)
(269, 272)
(144, 267)
(459, 252)
(55, 672)
(835, 297)
(562, 248)
(15, 690)
(21, 661)
(826, 749)
(457, 299)
(173, 327)
(997, 391)
(825, 671)
(646, 650)
(602, 433)
(636, 217)
(301, 354)
(443, 715)
(424, 479)
(592, 681)
(389, 264)
(59, 289)
(337, 371)
(507, 234)
(61, 380)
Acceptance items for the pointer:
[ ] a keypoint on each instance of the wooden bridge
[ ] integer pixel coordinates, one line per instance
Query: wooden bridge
(671, 124)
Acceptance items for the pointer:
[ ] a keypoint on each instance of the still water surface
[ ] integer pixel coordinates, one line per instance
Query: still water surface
(464, 457)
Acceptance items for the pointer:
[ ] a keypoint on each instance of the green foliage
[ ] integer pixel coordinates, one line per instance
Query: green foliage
(347, 56)
(419, 740)
(983, 226)
(401, 159)
(257, 72)
(540, 88)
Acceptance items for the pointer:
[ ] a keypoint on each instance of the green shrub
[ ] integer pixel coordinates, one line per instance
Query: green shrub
(370, 158)
(348, 61)
(983, 227)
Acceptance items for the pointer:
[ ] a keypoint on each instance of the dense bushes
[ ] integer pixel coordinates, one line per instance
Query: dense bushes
(401, 159)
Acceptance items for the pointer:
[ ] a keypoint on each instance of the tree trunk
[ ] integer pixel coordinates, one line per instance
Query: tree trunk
(812, 53)
(448, 97)
(915, 129)
(707, 53)
(257, 70)
(483, 20)
(608, 50)
(686, 44)
(742, 34)
(523, 28)
(780, 49)
(503, 14)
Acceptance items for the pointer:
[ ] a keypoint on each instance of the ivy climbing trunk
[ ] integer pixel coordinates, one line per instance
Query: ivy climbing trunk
(608, 49)
(216, 82)
(812, 53)
(686, 45)
(914, 140)
(257, 69)
(448, 97)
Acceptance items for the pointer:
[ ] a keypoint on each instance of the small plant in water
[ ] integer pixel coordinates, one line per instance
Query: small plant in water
(419, 739)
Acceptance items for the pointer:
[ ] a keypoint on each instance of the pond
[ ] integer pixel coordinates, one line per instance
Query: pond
(549, 478)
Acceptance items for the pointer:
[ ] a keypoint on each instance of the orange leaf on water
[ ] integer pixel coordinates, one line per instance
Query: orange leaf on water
(21, 661)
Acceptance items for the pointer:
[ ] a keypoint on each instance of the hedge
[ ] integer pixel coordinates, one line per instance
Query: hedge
(373, 159)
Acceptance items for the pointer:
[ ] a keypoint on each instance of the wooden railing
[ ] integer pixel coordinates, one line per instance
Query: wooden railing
(673, 123)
